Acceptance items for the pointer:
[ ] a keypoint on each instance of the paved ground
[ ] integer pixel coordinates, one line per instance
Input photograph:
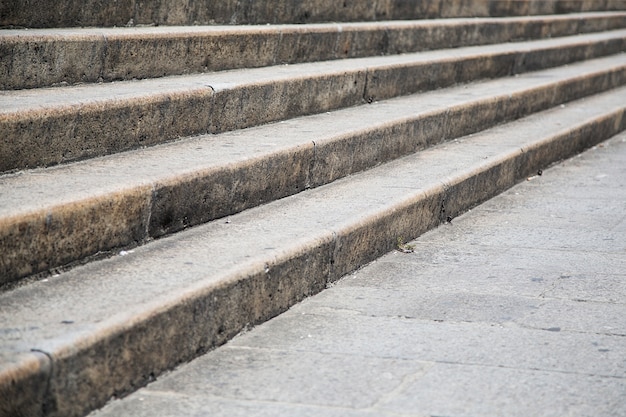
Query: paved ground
(517, 308)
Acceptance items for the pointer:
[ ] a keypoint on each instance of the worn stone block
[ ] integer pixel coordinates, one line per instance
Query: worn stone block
(61, 235)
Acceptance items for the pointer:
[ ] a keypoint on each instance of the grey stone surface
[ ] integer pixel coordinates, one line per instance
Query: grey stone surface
(49, 126)
(243, 373)
(479, 343)
(171, 404)
(37, 13)
(43, 57)
(476, 321)
(110, 326)
(150, 193)
(467, 390)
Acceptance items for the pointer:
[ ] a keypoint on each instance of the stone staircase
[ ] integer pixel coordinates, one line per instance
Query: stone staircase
(165, 187)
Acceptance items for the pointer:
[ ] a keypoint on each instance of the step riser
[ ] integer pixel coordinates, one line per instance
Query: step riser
(387, 83)
(60, 235)
(51, 135)
(180, 331)
(32, 373)
(37, 13)
(465, 192)
(39, 59)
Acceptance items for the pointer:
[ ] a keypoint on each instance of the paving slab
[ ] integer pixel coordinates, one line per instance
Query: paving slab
(478, 320)
(453, 390)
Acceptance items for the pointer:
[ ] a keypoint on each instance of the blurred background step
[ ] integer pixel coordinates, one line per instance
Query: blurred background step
(71, 342)
(48, 126)
(53, 217)
(40, 58)
(73, 13)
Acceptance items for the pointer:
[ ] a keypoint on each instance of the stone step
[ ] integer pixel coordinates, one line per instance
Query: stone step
(72, 13)
(48, 126)
(61, 215)
(43, 57)
(73, 341)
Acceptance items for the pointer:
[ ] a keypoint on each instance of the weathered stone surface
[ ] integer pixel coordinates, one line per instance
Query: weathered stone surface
(56, 236)
(39, 58)
(145, 405)
(225, 190)
(408, 74)
(81, 336)
(212, 177)
(457, 389)
(24, 378)
(113, 325)
(259, 367)
(50, 126)
(37, 13)
(483, 327)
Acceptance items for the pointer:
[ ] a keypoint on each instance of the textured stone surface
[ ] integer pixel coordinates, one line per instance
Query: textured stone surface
(111, 326)
(58, 125)
(453, 390)
(236, 171)
(39, 58)
(368, 377)
(36, 242)
(406, 74)
(24, 379)
(82, 335)
(36, 13)
(480, 325)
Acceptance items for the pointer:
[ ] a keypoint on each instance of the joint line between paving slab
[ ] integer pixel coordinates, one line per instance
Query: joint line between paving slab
(556, 371)
(406, 382)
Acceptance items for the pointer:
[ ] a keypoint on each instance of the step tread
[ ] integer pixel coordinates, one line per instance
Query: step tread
(67, 313)
(57, 99)
(39, 189)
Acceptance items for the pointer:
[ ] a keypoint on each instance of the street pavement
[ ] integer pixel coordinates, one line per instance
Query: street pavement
(516, 308)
